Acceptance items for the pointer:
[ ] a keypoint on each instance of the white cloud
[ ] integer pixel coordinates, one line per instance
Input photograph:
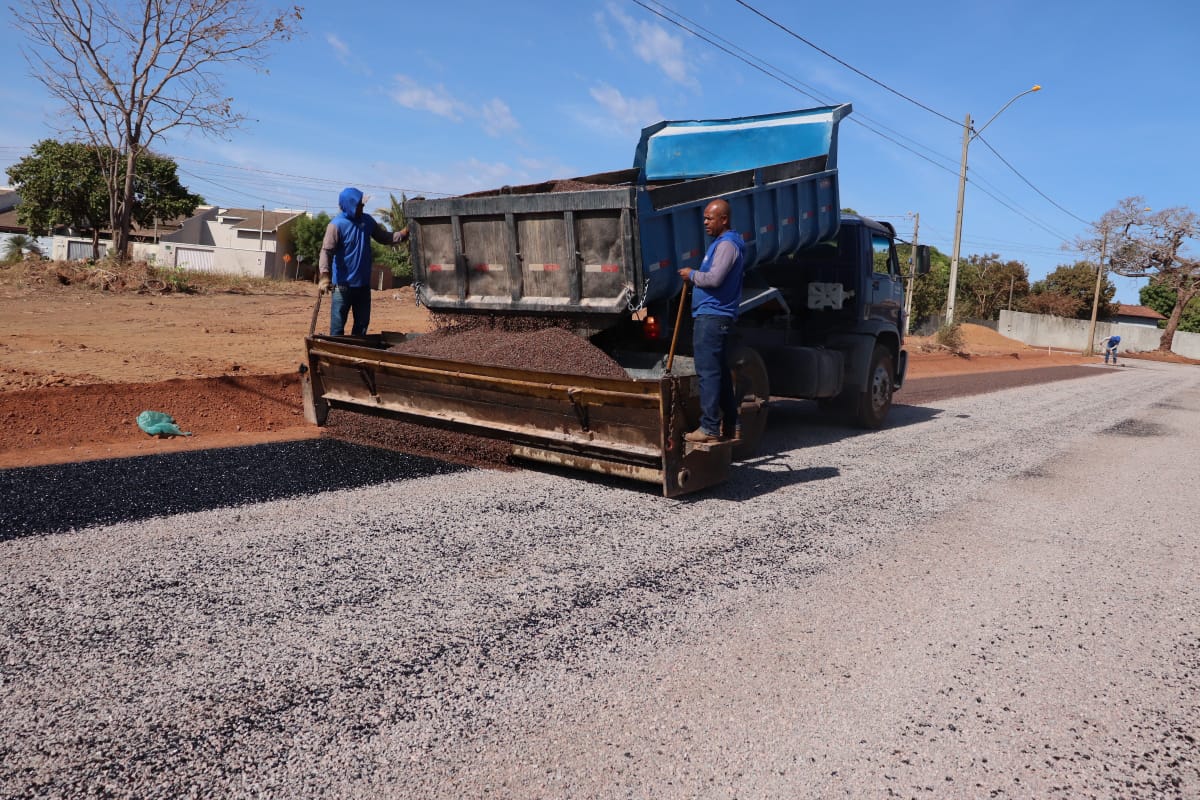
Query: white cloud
(346, 55)
(654, 45)
(434, 99)
(494, 116)
(626, 113)
(497, 117)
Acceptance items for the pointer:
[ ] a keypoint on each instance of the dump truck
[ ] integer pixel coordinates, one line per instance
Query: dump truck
(821, 315)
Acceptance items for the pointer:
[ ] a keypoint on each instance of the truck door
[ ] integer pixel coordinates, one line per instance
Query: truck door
(885, 290)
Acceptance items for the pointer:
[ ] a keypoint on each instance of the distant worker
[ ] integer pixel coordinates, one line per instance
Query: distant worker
(715, 301)
(1110, 348)
(345, 262)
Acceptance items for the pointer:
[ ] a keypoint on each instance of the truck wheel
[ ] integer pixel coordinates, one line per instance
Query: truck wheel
(752, 388)
(876, 401)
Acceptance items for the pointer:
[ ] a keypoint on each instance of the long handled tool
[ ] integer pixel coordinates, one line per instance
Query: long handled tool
(316, 310)
(678, 322)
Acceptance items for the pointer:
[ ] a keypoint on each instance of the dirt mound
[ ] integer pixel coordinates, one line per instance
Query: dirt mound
(976, 340)
(510, 344)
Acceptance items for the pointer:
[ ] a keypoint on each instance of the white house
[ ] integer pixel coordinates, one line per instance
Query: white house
(239, 241)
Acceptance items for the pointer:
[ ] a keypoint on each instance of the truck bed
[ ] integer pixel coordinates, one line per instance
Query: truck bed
(616, 246)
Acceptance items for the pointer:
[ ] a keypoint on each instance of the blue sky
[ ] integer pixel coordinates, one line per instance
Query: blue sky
(444, 98)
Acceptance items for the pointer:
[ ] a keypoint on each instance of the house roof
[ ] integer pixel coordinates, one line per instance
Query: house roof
(1137, 311)
(252, 218)
(9, 223)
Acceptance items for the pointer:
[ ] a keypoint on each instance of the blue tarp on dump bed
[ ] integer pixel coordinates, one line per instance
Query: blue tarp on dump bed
(699, 148)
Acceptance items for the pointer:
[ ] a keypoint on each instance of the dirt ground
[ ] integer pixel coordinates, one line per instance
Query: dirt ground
(77, 365)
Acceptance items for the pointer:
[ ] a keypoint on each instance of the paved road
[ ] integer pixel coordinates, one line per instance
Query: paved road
(995, 596)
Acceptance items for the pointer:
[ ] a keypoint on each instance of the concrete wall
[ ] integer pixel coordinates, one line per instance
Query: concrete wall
(1042, 330)
(45, 243)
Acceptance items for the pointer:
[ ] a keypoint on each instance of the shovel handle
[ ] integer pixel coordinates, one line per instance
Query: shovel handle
(316, 310)
(678, 321)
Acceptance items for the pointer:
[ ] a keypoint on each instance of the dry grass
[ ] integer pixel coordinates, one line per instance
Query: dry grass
(137, 277)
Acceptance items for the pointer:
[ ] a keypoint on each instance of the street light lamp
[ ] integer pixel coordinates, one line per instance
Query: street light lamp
(968, 135)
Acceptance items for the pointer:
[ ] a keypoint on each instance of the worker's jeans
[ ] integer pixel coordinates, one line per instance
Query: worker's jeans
(712, 343)
(1110, 351)
(347, 299)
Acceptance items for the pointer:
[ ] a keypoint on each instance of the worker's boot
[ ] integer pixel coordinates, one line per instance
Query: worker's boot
(701, 436)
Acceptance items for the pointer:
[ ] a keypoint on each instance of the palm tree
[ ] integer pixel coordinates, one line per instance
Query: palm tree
(394, 214)
(18, 245)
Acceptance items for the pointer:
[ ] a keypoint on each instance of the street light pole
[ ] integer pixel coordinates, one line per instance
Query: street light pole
(968, 135)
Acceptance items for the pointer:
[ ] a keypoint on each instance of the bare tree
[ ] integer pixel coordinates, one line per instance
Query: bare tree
(1150, 244)
(128, 71)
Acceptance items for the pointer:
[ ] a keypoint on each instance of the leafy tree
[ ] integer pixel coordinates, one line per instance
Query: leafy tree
(929, 291)
(397, 259)
(1162, 299)
(127, 73)
(988, 283)
(62, 185)
(1068, 291)
(18, 245)
(307, 234)
(393, 216)
(1153, 245)
(1053, 304)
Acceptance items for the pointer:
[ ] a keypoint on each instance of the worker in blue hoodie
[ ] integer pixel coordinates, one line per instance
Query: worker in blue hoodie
(1110, 348)
(715, 301)
(345, 262)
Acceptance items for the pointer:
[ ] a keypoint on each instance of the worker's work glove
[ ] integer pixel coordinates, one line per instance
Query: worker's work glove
(324, 284)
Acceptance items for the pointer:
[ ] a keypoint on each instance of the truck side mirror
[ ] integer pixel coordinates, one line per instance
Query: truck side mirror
(921, 259)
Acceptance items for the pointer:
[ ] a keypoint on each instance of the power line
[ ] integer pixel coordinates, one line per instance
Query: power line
(848, 66)
(329, 181)
(1009, 205)
(780, 74)
(1031, 186)
(784, 81)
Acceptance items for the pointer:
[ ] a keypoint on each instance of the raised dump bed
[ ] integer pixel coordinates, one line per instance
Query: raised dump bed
(602, 245)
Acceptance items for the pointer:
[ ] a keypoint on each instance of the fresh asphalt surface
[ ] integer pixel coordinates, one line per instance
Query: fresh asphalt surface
(994, 596)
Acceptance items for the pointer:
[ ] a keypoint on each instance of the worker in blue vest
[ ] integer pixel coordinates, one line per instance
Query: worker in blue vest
(1110, 348)
(716, 297)
(345, 262)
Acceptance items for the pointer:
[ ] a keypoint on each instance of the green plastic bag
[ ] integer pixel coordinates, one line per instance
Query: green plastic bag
(156, 423)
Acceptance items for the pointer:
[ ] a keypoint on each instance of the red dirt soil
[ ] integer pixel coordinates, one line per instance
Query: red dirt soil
(78, 365)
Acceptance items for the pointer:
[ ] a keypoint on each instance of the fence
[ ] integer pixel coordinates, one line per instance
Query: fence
(1042, 330)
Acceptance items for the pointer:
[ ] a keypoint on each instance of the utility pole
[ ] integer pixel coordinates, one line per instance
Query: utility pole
(962, 191)
(912, 275)
(968, 135)
(1089, 350)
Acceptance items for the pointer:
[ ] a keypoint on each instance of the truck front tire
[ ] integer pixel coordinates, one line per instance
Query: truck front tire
(875, 402)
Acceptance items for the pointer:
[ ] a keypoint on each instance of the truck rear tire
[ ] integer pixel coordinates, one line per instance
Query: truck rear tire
(752, 387)
(876, 400)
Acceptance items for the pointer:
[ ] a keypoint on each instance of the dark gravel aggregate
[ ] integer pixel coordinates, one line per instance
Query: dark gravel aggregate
(64, 497)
